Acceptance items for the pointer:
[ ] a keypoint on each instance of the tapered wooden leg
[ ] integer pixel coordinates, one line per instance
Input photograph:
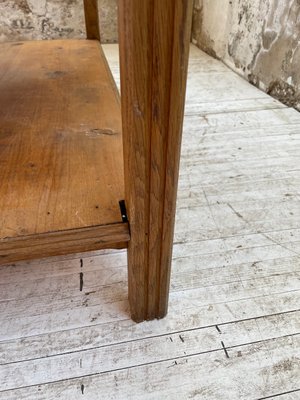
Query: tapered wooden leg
(154, 45)
(92, 19)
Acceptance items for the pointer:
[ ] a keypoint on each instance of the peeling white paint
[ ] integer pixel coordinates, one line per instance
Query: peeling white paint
(260, 39)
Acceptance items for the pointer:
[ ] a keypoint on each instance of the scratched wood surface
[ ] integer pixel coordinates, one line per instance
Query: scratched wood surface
(61, 174)
(232, 331)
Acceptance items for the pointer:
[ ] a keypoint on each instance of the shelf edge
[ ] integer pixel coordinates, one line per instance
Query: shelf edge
(114, 236)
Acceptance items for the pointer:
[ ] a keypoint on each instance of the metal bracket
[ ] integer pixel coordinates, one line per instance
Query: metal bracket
(123, 210)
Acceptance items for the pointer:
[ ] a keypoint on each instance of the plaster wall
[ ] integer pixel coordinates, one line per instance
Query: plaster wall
(52, 19)
(260, 39)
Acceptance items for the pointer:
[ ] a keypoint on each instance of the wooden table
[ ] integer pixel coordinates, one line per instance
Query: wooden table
(78, 171)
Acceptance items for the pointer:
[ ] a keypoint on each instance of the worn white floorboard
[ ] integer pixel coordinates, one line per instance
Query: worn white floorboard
(233, 329)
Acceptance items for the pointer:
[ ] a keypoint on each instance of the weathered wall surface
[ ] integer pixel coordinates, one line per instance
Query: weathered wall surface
(109, 20)
(260, 39)
(51, 19)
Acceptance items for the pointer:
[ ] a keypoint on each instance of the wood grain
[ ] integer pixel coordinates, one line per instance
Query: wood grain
(114, 236)
(249, 298)
(156, 349)
(232, 282)
(154, 43)
(92, 22)
(178, 376)
(60, 146)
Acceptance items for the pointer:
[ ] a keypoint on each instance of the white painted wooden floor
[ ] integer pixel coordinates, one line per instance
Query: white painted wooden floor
(233, 328)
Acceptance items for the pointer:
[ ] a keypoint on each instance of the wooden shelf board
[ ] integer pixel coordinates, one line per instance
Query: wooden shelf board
(61, 156)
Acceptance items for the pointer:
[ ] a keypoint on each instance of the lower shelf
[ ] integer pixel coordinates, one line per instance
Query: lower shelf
(61, 153)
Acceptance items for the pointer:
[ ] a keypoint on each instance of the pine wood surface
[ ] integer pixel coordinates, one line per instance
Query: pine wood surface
(234, 284)
(60, 147)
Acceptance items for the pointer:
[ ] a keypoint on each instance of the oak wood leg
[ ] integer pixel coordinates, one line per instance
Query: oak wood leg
(154, 40)
(92, 19)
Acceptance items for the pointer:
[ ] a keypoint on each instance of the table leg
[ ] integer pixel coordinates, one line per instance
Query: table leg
(154, 40)
(92, 19)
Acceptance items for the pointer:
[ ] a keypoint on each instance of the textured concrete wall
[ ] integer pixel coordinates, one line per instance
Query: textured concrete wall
(109, 20)
(260, 39)
(50, 19)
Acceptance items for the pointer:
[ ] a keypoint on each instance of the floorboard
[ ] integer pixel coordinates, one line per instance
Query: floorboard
(233, 329)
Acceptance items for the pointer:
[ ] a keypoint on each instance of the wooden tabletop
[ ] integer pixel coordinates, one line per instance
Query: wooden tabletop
(61, 162)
